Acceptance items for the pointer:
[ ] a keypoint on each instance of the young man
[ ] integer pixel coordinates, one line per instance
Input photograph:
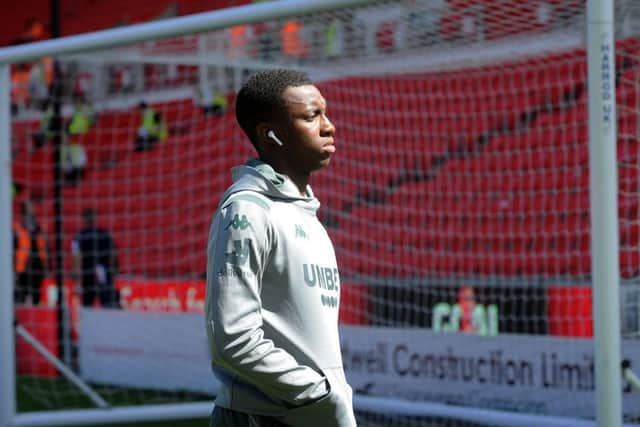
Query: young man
(272, 278)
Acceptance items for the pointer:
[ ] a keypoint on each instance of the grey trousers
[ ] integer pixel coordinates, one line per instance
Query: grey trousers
(223, 417)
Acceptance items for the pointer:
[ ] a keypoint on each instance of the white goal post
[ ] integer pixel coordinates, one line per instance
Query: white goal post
(7, 340)
(604, 209)
(603, 186)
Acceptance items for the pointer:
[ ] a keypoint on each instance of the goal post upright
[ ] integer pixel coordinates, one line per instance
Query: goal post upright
(604, 211)
(7, 339)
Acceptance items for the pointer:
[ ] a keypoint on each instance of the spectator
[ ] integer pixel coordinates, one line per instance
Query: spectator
(265, 40)
(386, 36)
(20, 88)
(238, 39)
(213, 102)
(423, 22)
(30, 256)
(161, 129)
(333, 39)
(294, 46)
(83, 117)
(45, 133)
(74, 162)
(95, 263)
(121, 79)
(74, 155)
(152, 128)
(38, 86)
(33, 31)
(82, 83)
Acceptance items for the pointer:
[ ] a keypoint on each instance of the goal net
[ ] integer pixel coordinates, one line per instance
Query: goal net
(457, 201)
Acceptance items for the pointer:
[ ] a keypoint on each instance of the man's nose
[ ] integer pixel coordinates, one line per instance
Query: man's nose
(328, 126)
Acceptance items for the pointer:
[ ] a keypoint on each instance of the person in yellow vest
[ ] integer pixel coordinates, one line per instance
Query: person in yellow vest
(152, 128)
(30, 256)
(73, 153)
(83, 117)
(333, 39)
(213, 102)
(161, 130)
(219, 104)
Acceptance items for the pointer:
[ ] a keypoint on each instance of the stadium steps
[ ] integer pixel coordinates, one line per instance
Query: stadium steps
(474, 196)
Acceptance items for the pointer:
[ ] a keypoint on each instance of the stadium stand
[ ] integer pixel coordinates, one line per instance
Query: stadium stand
(482, 225)
(512, 148)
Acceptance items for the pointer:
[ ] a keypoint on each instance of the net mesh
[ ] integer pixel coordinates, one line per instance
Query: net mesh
(457, 201)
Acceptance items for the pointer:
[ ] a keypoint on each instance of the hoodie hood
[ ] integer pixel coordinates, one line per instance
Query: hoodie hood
(259, 177)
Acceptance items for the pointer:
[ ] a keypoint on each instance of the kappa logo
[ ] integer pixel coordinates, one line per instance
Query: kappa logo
(240, 253)
(300, 232)
(239, 223)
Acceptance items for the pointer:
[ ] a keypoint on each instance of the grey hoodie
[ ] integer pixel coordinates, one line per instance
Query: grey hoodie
(273, 293)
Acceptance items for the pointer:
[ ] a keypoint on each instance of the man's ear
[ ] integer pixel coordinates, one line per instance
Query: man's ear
(266, 134)
(261, 132)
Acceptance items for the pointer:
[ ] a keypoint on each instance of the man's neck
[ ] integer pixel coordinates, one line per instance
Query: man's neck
(300, 180)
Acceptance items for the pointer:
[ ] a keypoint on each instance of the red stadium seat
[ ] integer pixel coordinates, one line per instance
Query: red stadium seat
(466, 181)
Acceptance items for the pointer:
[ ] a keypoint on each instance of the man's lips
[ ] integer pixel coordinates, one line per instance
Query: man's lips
(330, 147)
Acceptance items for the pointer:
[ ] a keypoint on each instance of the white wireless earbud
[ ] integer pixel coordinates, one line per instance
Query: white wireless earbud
(271, 134)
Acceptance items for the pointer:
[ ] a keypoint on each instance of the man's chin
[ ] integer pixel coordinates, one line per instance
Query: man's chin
(324, 163)
(320, 164)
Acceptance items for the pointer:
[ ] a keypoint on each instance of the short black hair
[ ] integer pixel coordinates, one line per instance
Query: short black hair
(261, 96)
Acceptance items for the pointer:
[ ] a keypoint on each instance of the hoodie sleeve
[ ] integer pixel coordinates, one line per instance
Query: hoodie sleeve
(239, 247)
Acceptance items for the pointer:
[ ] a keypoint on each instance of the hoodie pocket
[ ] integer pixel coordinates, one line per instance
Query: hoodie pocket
(326, 412)
(332, 410)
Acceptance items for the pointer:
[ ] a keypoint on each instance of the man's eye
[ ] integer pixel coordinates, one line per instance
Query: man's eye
(314, 115)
